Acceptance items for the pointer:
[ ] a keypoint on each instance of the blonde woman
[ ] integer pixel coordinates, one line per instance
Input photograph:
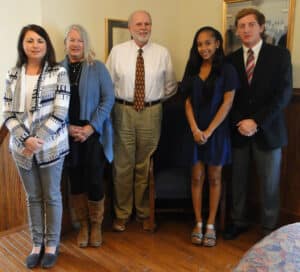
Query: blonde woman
(92, 98)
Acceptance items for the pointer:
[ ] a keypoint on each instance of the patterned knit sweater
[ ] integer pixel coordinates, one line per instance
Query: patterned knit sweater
(49, 108)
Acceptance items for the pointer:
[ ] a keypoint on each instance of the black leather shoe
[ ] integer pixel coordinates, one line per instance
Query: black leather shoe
(233, 231)
(50, 259)
(33, 259)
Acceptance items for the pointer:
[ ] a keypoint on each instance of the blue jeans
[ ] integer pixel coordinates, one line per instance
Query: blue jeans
(44, 202)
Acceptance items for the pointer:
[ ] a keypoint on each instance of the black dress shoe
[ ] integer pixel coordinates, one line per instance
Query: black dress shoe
(34, 258)
(50, 259)
(233, 231)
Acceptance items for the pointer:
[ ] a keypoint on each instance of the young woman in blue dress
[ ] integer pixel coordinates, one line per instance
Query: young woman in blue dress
(210, 86)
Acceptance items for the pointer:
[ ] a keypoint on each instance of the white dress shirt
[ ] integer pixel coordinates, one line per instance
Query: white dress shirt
(255, 50)
(160, 82)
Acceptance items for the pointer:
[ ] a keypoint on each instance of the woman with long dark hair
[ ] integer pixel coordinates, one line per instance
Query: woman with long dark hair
(35, 108)
(209, 84)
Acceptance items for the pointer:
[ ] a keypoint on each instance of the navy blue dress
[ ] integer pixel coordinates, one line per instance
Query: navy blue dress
(217, 150)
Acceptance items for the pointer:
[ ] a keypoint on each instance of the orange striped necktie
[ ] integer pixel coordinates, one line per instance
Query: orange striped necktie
(139, 86)
(250, 64)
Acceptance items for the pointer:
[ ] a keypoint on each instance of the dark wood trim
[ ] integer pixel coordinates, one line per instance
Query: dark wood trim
(288, 217)
(296, 95)
(3, 133)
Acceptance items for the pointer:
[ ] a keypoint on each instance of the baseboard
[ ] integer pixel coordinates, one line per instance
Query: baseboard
(12, 230)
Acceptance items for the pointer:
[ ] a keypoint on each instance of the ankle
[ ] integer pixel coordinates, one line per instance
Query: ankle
(36, 250)
(199, 224)
(50, 249)
(210, 226)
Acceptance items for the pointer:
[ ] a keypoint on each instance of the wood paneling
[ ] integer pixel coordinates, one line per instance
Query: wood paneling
(290, 178)
(13, 210)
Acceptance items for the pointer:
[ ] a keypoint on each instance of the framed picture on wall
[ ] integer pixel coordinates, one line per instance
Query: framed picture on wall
(279, 21)
(116, 31)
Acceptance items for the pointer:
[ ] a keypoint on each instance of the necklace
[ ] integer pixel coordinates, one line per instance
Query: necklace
(74, 73)
(75, 66)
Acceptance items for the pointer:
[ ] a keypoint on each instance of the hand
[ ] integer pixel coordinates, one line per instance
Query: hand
(74, 130)
(87, 131)
(27, 153)
(80, 134)
(207, 133)
(33, 144)
(199, 137)
(247, 127)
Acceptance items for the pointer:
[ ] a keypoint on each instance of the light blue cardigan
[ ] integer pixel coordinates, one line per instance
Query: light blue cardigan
(97, 98)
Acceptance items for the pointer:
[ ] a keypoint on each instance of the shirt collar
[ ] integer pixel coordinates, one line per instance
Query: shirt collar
(255, 48)
(147, 45)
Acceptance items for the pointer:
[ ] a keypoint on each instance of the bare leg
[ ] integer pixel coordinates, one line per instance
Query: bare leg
(198, 175)
(214, 177)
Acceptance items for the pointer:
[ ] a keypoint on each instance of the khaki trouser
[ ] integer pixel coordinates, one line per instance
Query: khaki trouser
(136, 136)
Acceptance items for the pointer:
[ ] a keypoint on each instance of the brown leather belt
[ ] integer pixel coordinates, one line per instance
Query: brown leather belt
(128, 103)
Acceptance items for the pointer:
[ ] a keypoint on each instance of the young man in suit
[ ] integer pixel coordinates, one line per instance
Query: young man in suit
(259, 129)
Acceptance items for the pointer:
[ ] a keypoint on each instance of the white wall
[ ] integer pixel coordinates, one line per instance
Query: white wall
(14, 15)
(92, 16)
(174, 25)
(193, 14)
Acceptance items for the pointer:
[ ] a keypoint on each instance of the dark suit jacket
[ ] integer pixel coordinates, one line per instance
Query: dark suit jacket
(266, 97)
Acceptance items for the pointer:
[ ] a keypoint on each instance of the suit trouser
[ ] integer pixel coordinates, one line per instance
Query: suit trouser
(267, 164)
(44, 201)
(136, 136)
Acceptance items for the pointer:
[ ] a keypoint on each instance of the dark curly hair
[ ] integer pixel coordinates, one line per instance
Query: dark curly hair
(195, 60)
(50, 53)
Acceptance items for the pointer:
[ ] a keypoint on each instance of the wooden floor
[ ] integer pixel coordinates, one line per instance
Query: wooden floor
(168, 249)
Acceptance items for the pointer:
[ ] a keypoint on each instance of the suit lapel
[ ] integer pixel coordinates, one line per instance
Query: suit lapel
(241, 67)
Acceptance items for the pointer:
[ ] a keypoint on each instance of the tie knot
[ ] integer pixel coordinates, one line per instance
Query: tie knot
(250, 52)
(140, 51)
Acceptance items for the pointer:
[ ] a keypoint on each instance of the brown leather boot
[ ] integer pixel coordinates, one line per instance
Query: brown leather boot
(96, 212)
(80, 204)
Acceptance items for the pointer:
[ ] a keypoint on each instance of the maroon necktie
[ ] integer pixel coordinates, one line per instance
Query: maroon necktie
(139, 87)
(250, 64)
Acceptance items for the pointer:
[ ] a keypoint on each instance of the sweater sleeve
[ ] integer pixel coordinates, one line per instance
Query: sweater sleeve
(107, 99)
(14, 125)
(61, 105)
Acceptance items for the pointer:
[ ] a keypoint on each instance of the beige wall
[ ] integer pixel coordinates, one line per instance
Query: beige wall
(174, 22)
(174, 25)
(92, 15)
(14, 15)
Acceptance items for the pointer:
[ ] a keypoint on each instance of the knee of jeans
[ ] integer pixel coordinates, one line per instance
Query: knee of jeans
(53, 198)
(34, 199)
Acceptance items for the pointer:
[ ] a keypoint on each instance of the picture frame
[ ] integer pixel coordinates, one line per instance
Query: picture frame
(116, 31)
(279, 21)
